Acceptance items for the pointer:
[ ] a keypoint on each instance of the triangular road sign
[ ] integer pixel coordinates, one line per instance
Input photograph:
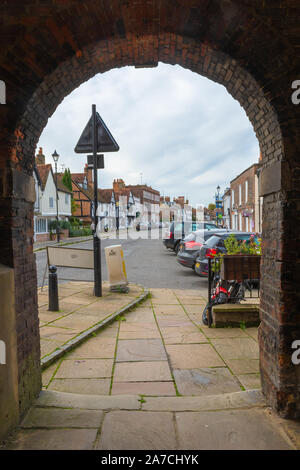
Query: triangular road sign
(105, 141)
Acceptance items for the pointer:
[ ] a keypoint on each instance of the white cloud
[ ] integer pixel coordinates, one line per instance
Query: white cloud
(185, 133)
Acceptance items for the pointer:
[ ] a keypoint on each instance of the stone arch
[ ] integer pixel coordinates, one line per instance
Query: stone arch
(279, 379)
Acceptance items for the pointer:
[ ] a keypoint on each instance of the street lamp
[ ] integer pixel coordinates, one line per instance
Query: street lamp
(55, 157)
(117, 218)
(218, 203)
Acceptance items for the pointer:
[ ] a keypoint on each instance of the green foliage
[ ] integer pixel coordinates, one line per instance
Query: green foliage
(67, 180)
(237, 247)
(76, 231)
(211, 207)
(63, 224)
(245, 247)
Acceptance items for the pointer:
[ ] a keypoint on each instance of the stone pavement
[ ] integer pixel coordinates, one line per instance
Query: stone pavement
(156, 379)
(78, 312)
(161, 348)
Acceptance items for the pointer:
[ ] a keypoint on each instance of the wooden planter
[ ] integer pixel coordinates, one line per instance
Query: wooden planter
(63, 234)
(238, 267)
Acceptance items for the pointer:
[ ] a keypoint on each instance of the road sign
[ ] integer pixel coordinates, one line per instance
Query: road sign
(105, 141)
(99, 163)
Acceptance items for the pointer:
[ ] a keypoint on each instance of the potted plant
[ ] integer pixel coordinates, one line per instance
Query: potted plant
(242, 260)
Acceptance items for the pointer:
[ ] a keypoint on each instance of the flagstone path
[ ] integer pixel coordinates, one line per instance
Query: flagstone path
(159, 349)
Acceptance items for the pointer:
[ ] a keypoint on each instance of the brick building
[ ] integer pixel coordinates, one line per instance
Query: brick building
(83, 195)
(50, 54)
(45, 209)
(147, 197)
(245, 201)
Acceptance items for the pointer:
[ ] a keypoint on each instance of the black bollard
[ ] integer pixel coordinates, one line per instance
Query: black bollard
(53, 289)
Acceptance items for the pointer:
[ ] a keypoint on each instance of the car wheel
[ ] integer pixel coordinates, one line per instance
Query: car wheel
(176, 248)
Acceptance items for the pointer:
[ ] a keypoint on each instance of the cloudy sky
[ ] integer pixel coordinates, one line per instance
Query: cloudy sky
(184, 133)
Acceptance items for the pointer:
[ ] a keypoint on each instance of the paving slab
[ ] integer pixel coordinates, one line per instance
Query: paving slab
(229, 430)
(55, 332)
(142, 372)
(178, 321)
(144, 388)
(225, 401)
(193, 356)
(243, 366)
(54, 439)
(48, 345)
(253, 332)
(141, 315)
(140, 350)
(206, 381)
(186, 334)
(51, 398)
(84, 368)
(169, 310)
(195, 308)
(97, 347)
(77, 322)
(250, 381)
(85, 386)
(138, 331)
(48, 373)
(62, 418)
(224, 332)
(122, 430)
(236, 348)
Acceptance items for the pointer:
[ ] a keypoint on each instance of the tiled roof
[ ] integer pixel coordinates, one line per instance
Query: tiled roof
(78, 177)
(104, 195)
(43, 171)
(123, 192)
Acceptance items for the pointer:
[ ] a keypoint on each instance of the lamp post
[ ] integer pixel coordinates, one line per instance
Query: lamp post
(55, 157)
(117, 218)
(218, 203)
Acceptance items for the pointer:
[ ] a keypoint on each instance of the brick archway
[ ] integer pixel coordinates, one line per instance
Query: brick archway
(267, 104)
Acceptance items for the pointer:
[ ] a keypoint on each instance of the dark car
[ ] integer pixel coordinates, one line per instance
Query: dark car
(215, 245)
(178, 230)
(189, 247)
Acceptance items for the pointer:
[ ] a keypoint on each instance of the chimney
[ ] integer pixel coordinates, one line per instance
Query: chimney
(118, 184)
(89, 174)
(40, 157)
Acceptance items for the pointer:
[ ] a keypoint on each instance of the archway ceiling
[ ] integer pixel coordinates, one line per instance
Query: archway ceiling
(39, 35)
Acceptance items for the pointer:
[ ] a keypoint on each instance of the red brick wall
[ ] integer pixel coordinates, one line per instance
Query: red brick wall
(250, 47)
(248, 175)
(42, 237)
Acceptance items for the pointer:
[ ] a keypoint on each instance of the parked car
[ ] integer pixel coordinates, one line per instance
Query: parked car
(178, 230)
(189, 247)
(215, 245)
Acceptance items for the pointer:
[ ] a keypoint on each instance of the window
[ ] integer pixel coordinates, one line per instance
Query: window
(240, 194)
(232, 197)
(41, 226)
(240, 222)
(66, 198)
(51, 202)
(247, 224)
(213, 241)
(246, 191)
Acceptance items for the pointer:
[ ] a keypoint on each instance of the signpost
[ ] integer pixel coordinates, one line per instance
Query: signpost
(96, 138)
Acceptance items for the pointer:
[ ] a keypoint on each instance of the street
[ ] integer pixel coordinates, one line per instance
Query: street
(147, 262)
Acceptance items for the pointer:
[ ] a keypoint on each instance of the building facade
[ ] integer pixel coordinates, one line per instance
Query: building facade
(45, 208)
(245, 202)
